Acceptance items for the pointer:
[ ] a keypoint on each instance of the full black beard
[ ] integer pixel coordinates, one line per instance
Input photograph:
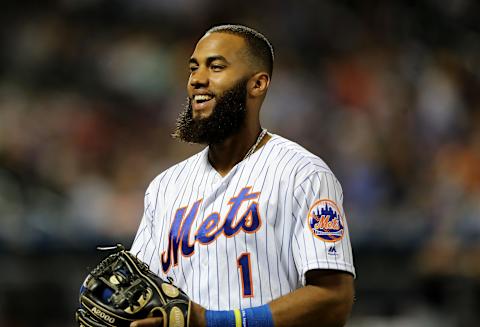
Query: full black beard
(226, 119)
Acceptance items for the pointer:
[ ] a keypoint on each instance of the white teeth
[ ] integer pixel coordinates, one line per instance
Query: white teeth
(202, 97)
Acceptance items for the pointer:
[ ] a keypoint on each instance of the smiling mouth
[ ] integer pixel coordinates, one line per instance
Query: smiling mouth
(201, 98)
(201, 101)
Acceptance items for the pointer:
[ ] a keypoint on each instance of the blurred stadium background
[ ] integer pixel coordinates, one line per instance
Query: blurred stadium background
(386, 92)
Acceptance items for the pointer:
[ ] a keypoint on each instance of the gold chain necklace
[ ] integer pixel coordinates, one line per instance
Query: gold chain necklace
(254, 147)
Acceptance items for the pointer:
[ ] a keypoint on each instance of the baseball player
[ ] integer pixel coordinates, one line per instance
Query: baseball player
(252, 228)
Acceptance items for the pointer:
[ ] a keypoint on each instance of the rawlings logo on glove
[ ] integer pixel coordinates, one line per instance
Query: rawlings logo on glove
(122, 289)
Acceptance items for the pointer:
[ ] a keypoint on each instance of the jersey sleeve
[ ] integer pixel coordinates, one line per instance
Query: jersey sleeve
(141, 246)
(320, 239)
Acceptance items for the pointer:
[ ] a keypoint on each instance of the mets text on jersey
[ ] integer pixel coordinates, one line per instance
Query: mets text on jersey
(209, 229)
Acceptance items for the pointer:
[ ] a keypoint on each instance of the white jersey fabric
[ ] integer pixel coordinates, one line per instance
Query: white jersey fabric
(249, 237)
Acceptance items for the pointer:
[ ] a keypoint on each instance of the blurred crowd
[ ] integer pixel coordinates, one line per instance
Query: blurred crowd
(388, 94)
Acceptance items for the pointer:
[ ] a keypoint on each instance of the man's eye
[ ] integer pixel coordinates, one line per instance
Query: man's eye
(193, 68)
(217, 67)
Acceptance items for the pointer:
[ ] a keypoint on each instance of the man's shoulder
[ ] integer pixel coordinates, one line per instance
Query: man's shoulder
(172, 173)
(299, 157)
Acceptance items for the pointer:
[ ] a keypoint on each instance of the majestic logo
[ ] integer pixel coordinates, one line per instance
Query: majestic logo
(210, 228)
(332, 250)
(325, 221)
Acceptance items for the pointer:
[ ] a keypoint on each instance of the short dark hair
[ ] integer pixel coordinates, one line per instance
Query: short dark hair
(258, 45)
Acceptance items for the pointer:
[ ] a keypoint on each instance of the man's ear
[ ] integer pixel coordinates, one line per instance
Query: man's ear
(258, 84)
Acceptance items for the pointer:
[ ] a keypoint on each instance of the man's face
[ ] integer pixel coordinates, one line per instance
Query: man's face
(217, 64)
(226, 118)
(216, 106)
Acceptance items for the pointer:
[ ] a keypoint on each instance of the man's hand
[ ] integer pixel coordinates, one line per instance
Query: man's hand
(148, 322)
(197, 318)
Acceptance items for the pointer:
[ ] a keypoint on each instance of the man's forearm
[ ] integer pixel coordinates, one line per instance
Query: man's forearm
(327, 303)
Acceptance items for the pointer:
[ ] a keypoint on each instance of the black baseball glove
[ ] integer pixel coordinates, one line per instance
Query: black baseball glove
(122, 289)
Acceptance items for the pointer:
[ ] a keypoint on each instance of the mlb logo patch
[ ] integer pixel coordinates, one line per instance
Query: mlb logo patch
(325, 221)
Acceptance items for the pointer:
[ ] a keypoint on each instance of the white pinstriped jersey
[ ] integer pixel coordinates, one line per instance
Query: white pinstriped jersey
(249, 237)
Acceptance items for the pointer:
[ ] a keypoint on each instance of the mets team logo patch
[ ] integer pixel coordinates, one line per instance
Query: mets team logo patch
(325, 221)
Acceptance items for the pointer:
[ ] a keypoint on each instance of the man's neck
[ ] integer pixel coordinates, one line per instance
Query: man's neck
(224, 156)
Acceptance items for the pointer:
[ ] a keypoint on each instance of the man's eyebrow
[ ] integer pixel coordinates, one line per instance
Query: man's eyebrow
(209, 59)
(214, 58)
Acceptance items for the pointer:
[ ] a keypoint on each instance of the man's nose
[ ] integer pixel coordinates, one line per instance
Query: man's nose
(199, 78)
